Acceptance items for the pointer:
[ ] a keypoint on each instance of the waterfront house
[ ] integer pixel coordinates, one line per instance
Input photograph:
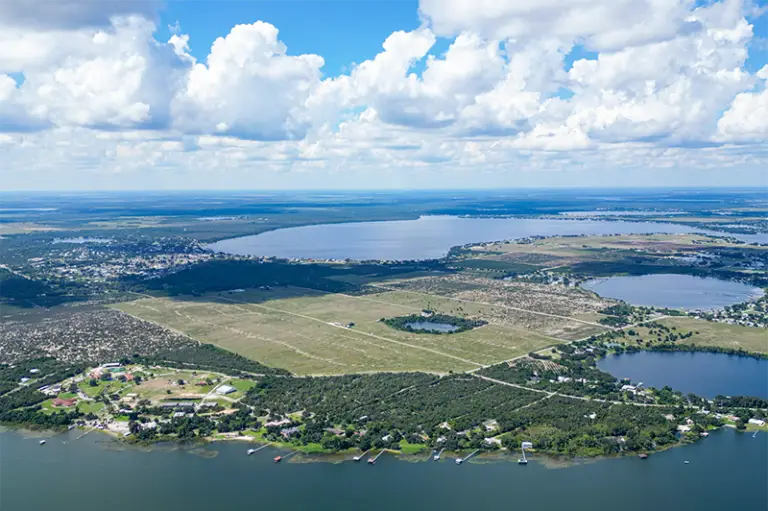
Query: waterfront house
(757, 422)
(289, 432)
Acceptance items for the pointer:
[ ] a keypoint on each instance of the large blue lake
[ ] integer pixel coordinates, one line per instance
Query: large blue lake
(429, 237)
(674, 291)
(728, 470)
(704, 374)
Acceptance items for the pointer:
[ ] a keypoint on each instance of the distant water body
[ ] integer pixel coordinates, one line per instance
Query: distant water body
(429, 237)
(674, 291)
(443, 328)
(728, 470)
(704, 374)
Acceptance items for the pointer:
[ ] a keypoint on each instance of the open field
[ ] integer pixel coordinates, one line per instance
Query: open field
(721, 334)
(557, 311)
(305, 331)
(563, 251)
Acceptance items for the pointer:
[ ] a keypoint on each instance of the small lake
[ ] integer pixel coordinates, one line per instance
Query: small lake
(704, 374)
(68, 474)
(429, 326)
(429, 237)
(674, 291)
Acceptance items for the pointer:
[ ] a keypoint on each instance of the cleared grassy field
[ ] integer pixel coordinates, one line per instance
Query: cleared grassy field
(719, 334)
(305, 331)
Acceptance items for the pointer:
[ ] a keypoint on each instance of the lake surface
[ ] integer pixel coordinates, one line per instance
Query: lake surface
(429, 237)
(728, 470)
(704, 374)
(443, 328)
(674, 291)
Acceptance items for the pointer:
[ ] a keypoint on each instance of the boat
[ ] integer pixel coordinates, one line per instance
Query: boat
(686, 462)
(522, 461)
(459, 461)
(642, 456)
(357, 458)
(277, 459)
(251, 451)
(42, 442)
(436, 457)
(371, 461)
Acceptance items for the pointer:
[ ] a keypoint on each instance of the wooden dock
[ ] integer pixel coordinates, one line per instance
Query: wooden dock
(361, 456)
(372, 461)
(459, 461)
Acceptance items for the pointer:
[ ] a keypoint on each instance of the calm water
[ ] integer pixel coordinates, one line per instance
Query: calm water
(429, 237)
(674, 291)
(728, 470)
(704, 374)
(444, 328)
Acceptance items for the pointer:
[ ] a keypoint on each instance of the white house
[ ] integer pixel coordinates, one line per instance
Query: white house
(225, 389)
(757, 422)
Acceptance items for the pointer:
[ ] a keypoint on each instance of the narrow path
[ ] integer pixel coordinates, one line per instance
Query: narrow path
(568, 396)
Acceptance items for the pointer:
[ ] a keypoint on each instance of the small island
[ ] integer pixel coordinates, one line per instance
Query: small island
(430, 323)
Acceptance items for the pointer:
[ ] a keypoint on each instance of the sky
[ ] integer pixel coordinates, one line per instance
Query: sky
(396, 94)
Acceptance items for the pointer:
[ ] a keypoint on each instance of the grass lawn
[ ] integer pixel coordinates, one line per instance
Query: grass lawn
(90, 406)
(241, 385)
(408, 448)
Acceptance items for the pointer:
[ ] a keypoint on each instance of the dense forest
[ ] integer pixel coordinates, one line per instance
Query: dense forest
(224, 275)
(453, 411)
(207, 357)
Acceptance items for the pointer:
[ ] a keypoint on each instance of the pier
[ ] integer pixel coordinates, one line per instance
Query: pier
(81, 436)
(254, 451)
(459, 461)
(278, 459)
(361, 456)
(372, 461)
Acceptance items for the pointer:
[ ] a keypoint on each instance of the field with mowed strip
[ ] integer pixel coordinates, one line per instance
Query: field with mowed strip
(310, 332)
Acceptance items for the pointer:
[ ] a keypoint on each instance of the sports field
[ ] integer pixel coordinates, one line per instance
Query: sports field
(308, 332)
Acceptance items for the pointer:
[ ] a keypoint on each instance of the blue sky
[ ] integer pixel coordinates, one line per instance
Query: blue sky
(342, 31)
(428, 93)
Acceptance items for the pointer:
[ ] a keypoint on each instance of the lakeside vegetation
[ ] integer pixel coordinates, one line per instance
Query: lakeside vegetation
(459, 324)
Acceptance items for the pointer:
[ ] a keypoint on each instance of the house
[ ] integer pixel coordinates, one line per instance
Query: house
(386, 438)
(335, 431)
(281, 422)
(64, 402)
(683, 428)
(757, 422)
(111, 365)
(289, 432)
(563, 379)
(24, 380)
(225, 389)
(492, 441)
(629, 388)
(592, 416)
(34, 371)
